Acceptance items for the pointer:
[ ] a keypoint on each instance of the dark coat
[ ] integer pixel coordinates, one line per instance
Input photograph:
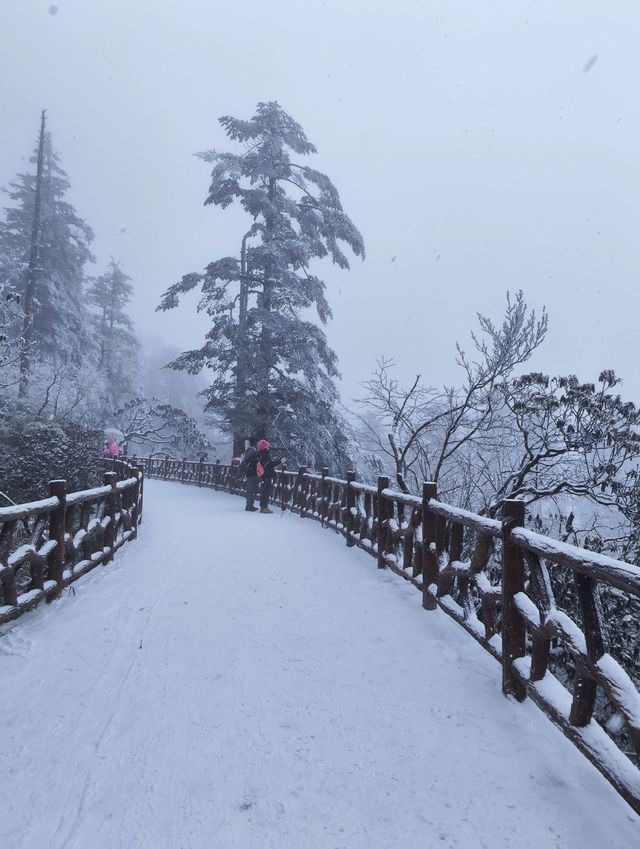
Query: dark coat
(249, 463)
(267, 461)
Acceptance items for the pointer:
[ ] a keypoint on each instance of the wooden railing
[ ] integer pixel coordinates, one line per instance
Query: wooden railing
(490, 576)
(48, 544)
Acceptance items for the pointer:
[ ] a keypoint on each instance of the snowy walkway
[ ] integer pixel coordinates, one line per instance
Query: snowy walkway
(239, 680)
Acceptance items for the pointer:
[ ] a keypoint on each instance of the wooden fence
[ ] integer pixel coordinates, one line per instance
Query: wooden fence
(47, 545)
(490, 576)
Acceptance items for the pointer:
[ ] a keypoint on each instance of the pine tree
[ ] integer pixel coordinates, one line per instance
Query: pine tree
(32, 267)
(48, 271)
(264, 352)
(117, 345)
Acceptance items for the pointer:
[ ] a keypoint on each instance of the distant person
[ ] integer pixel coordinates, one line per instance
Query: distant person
(113, 448)
(249, 468)
(267, 463)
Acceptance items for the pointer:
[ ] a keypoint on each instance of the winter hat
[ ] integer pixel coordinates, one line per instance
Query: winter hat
(263, 445)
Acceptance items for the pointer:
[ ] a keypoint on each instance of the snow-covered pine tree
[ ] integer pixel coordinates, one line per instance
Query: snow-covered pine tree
(32, 266)
(265, 353)
(59, 325)
(117, 344)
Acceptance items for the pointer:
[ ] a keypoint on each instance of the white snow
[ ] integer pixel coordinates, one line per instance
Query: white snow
(25, 598)
(87, 494)
(485, 586)
(17, 511)
(571, 633)
(78, 537)
(623, 688)
(527, 608)
(240, 680)
(364, 487)
(488, 526)
(402, 497)
(126, 484)
(592, 735)
(549, 547)
(21, 553)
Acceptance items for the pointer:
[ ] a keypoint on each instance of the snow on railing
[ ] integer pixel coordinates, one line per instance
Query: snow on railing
(491, 576)
(46, 545)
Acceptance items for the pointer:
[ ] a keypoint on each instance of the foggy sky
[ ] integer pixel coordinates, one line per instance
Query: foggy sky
(480, 144)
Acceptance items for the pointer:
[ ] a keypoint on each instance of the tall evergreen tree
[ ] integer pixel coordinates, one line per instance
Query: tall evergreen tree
(117, 345)
(32, 267)
(264, 352)
(49, 274)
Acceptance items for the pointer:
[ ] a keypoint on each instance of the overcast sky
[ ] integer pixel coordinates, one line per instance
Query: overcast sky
(481, 144)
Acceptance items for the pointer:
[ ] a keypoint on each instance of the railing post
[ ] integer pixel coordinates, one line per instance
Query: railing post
(351, 503)
(584, 686)
(429, 556)
(513, 626)
(110, 479)
(200, 470)
(283, 483)
(383, 483)
(183, 471)
(140, 491)
(134, 511)
(166, 466)
(216, 476)
(57, 524)
(302, 471)
(324, 501)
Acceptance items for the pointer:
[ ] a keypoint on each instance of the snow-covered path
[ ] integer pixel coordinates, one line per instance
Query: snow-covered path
(239, 680)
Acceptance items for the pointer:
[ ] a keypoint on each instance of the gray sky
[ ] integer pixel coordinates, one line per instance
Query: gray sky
(465, 137)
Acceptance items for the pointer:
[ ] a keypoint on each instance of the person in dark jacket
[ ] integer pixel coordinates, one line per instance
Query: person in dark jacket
(269, 466)
(249, 467)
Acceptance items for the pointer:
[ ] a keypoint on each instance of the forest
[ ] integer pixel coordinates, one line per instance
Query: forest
(72, 369)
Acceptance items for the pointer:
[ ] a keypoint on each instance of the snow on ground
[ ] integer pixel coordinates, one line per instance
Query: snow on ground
(240, 680)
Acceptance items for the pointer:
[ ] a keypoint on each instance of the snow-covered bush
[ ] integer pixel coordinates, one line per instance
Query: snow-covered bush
(34, 451)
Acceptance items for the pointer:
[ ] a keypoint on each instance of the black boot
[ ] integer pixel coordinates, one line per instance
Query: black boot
(251, 509)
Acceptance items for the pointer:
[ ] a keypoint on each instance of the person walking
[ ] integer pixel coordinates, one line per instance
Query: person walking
(249, 467)
(268, 474)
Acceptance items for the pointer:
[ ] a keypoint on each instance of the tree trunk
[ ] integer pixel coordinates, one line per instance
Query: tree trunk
(103, 334)
(110, 393)
(25, 357)
(266, 341)
(240, 412)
